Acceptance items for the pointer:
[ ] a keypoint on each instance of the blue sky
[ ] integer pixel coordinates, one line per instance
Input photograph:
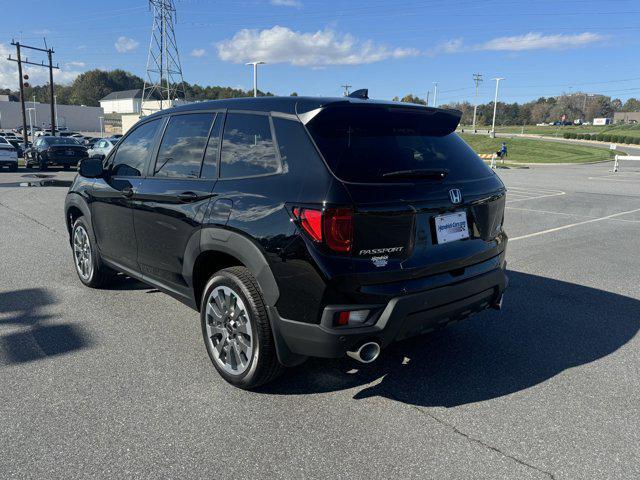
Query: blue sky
(541, 47)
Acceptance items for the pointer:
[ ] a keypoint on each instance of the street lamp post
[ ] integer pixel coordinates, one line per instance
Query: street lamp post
(435, 94)
(101, 127)
(495, 107)
(55, 102)
(255, 75)
(30, 122)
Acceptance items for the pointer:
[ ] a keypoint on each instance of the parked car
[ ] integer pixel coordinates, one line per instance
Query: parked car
(19, 145)
(8, 155)
(48, 151)
(298, 227)
(102, 148)
(9, 135)
(90, 141)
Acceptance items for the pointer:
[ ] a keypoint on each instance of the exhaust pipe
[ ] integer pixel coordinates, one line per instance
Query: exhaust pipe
(367, 352)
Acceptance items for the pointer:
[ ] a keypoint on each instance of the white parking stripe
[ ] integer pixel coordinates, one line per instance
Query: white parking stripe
(564, 227)
(535, 197)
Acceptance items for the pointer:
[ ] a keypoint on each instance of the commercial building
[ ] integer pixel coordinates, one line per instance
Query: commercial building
(123, 102)
(73, 117)
(626, 117)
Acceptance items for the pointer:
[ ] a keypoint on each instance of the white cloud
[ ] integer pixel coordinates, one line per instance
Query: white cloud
(518, 43)
(37, 75)
(197, 52)
(316, 49)
(287, 3)
(75, 64)
(125, 44)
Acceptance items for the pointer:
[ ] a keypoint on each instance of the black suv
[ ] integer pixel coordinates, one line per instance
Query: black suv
(296, 226)
(48, 151)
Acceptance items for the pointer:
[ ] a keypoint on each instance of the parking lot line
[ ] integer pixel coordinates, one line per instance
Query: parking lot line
(564, 227)
(535, 197)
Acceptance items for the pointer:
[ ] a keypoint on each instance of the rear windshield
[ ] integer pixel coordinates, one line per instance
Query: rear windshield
(362, 144)
(61, 141)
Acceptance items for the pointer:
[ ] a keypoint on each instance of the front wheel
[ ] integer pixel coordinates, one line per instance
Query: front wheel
(89, 267)
(236, 329)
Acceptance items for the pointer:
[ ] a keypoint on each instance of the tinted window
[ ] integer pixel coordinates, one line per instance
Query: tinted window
(247, 146)
(210, 166)
(363, 144)
(135, 150)
(183, 145)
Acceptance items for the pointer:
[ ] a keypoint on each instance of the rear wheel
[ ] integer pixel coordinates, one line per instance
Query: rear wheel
(13, 168)
(86, 258)
(236, 329)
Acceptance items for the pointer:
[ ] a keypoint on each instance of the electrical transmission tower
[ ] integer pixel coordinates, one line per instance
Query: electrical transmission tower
(477, 78)
(163, 82)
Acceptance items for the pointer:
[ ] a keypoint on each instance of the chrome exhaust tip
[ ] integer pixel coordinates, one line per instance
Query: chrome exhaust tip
(367, 353)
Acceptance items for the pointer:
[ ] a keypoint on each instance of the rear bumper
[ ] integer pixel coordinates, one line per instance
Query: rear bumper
(8, 163)
(403, 317)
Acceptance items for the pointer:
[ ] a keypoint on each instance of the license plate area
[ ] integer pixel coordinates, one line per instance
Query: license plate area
(451, 227)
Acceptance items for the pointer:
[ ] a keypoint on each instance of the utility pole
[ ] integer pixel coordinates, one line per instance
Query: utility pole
(20, 80)
(477, 78)
(346, 89)
(49, 52)
(435, 94)
(255, 75)
(495, 107)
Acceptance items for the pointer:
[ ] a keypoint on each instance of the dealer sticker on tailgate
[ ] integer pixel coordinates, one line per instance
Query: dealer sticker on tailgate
(451, 227)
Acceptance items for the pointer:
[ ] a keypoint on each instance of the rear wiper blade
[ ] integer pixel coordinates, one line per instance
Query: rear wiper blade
(432, 173)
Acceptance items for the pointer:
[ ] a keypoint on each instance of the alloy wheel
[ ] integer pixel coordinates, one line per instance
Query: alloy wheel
(228, 328)
(82, 253)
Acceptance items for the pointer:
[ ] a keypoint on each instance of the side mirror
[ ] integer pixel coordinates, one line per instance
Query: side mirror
(91, 168)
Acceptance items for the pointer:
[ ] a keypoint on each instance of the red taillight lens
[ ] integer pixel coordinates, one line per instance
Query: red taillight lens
(338, 229)
(310, 221)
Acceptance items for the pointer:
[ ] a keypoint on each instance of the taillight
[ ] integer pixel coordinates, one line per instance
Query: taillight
(333, 226)
(310, 221)
(338, 229)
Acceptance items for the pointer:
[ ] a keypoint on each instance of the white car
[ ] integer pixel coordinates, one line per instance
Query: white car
(8, 155)
(102, 148)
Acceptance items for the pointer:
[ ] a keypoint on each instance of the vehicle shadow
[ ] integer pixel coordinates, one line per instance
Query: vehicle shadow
(545, 327)
(31, 336)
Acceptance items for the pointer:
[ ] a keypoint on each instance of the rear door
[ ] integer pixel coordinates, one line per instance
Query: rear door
(171, 201)
(424, 202)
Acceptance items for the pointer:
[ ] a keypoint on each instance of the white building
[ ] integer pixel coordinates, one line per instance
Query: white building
(126, 101)
(73, 117)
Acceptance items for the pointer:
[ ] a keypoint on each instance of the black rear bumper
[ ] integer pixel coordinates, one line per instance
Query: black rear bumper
(403, 317)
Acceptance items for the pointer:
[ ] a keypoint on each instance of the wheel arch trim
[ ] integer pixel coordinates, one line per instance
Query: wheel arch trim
(219, 239)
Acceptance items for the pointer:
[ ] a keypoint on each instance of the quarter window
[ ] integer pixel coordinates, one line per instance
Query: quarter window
(210, 166)
(247, 147)
(183, 145)
(135, 150)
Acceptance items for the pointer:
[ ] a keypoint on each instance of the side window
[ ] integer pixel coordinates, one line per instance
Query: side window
(183, 144)
(135, 150)
(101, 144)
(247, 146)
(210, 165)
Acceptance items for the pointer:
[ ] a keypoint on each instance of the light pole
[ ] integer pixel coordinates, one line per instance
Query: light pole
(30, 122)
(435, 94)
(35, 112)
(255, 75)
(55, 102)
(101, 127)
(495, 107)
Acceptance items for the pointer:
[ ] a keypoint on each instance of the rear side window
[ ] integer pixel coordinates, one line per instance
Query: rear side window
(247, 147)
(210, 165)
(135, 150)
(367, 144)
(182, 146)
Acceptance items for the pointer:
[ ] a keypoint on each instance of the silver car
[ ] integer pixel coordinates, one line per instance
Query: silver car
(102, 148)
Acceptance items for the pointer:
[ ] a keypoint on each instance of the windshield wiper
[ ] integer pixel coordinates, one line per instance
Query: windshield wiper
(430, 173)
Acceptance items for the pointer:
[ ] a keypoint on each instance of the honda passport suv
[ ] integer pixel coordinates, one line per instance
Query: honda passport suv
(297, 227)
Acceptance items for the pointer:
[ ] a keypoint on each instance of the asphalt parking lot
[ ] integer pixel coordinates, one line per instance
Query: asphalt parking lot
(117, 383)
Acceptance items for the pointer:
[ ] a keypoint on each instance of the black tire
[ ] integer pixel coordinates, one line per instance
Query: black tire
(264, 365)
(42, 163)
(66, 167)
(13, 168)
(101, 275)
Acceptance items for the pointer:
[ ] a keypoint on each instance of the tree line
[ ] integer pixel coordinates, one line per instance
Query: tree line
(89, 87)
(575, 106)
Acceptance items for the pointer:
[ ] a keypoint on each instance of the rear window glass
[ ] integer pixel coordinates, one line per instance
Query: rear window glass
(61, 141)
(362, 144)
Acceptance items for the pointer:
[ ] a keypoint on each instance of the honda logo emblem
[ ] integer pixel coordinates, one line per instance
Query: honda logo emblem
(455, 195)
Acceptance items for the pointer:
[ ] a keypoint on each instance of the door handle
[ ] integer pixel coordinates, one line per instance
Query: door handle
(186, 197)
(127, 192)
